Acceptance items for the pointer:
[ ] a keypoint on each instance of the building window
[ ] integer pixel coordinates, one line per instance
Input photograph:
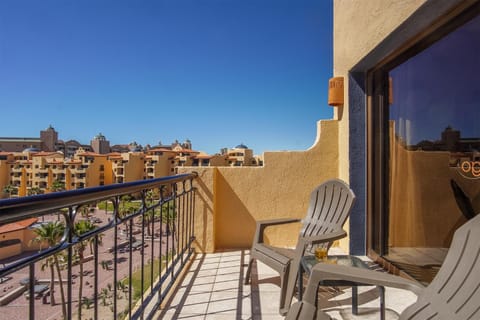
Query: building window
(424, 148)
(9, 242)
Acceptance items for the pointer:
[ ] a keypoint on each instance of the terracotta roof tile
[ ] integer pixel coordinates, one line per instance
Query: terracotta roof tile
(19, 225)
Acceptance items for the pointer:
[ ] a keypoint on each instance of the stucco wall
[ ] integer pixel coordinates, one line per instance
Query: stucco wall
(359, 26)
(230, 200)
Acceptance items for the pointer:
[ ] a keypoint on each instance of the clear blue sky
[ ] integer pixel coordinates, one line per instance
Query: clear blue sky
(217, 72)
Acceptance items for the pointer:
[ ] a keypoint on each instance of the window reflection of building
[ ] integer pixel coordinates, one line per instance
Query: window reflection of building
(433, 130)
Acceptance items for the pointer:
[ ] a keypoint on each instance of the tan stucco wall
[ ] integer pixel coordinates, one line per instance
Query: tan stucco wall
(25, 236)
(230, 200)
(4, 177)
(359, 26)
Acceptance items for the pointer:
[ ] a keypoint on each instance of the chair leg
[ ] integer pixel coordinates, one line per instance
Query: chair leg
(290, 285)
(283, 306)
(249, 270)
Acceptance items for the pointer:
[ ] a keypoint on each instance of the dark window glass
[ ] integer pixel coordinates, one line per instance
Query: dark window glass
(434, 150)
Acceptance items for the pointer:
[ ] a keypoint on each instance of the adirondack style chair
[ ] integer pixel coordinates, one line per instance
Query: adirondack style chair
(329, 207)
(454, 293)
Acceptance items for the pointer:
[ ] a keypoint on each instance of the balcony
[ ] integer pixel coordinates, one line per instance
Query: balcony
(128, 236)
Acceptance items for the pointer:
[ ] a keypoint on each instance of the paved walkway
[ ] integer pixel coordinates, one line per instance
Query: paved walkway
(213, 289)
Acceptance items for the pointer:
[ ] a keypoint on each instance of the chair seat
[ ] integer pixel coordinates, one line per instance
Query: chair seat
(275, 257)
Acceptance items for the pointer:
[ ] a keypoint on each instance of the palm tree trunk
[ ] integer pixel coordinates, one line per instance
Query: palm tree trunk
(62, 294)
(52, 284)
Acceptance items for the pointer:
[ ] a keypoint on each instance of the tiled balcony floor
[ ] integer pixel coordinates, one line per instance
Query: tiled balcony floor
(213, 289)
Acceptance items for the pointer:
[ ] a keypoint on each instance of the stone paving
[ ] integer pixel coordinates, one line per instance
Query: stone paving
(213, 289)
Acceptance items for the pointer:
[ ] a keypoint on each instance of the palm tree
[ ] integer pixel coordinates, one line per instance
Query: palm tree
(49, 263)
(124, 209)
(82, 227)
(10, 189)
(50, 233)
(57, 185)
(34, 190)
(169, 215)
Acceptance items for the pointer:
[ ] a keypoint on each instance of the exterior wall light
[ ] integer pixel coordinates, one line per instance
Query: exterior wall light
(335, 91)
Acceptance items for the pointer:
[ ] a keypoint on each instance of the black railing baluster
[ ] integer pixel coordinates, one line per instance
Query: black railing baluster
(31, 291)
(95, 285)
(130, 268)
(70, 230)
(176, 215)
(118, 222)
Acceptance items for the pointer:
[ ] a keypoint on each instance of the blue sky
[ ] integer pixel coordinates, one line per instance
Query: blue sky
(217, 72)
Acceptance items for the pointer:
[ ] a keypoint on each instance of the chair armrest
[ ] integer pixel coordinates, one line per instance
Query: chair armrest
(323, 271)
(263, 224)
(322, 238)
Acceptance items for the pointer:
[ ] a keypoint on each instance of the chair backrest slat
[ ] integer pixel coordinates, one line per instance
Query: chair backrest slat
(329, 206)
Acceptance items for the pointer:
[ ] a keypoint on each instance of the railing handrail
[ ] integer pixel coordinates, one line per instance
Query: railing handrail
(15, 209)
(170, 241)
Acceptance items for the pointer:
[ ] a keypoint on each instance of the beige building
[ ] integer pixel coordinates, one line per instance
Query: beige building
(100, 144)
(240, 156)
(159, 163)
(19, 144)
(184, 157)
(49, 139)
(206, 160)
(95, 170)
(6, 158)
(127, 166)
(16, 238)
(37, 172)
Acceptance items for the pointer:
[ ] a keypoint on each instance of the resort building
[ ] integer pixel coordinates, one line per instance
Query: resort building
(127, 166)
(17, 237)
(158, 163)
(17, 144)
(240, 156)
(100, 144)
(29, 173)
(49, 139)
(206, 160)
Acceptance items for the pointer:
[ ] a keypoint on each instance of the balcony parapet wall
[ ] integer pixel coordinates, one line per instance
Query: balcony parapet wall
(231, 199)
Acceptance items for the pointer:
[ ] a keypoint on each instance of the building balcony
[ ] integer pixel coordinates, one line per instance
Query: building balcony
(193, 280)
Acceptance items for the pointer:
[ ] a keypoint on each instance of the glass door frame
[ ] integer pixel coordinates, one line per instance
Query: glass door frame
(377, 129)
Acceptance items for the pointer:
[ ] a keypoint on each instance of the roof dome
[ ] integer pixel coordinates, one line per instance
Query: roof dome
(99, 137)
(31, 150)
(241, 146)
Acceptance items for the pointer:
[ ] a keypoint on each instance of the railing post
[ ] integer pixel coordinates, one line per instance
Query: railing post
(176, 215)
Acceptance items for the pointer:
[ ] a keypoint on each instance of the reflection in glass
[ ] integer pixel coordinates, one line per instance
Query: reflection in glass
(434, 161)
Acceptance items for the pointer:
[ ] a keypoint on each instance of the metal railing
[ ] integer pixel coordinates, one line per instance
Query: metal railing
(139, 233)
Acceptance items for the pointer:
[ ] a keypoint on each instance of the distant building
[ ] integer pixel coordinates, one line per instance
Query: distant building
(100, 144)
(17, 237)
(127, 167)
(32, 165)
(205, 160)
(159, 163)
(48, 138)
(18, 144)
(241, 156)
